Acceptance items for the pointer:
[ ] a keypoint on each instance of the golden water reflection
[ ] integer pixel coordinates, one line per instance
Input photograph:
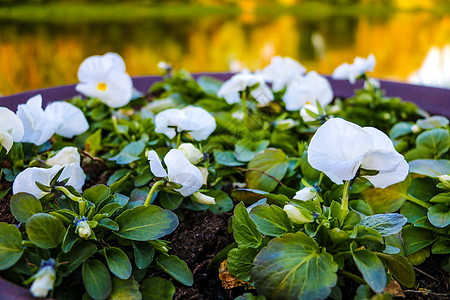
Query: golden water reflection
(41, 55)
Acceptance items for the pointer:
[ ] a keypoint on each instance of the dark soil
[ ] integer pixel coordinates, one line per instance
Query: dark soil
(196, 241)
(97, 172)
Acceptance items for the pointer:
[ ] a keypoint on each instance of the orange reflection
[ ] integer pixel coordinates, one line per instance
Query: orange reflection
(41, 55)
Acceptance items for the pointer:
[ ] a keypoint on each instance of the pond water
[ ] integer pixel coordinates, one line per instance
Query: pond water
(37, 55)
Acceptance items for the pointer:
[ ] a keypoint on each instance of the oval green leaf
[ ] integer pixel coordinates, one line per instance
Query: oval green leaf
(371, 268)
(157, 288)
(271, 220)
(176, 268)
(10, 245)
(96, 279)
(45, 230)
(145, 223)
(430, 167)
(439, 215)
(273, 162)
(24, 205)
(118, 262)
(294, 267)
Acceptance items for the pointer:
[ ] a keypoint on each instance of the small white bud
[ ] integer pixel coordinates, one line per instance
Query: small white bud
(415, 129)
(305, 194)
(83, 228)
(445, 180)
(43, 280)
(204, 174)
(203, 199)
(285, 124)
(193, 154)
(295, 214)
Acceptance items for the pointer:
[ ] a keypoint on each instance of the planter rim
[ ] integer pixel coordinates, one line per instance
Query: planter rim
(431, 99)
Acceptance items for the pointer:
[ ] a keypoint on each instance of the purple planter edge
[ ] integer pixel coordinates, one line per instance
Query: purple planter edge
(431, 99)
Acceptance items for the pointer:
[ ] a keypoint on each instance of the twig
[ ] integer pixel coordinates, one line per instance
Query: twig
(426, 292)
(84, 153)
(262, 172)
(426, 274)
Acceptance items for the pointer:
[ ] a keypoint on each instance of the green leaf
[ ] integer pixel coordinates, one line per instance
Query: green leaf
(176, 268)
(45, 230)
(93, 143)
(413, 212)
(24, 205)
(419, 257)
(415, 239)
(249, 296)
(76, 256)
(294, 267)
(209, 85)
(271, 220)
(389, 199)
(96, 279)
(223, 202)
(442, 246)
(170, 201)
(144, 223)
(240, 262)
(273, 162)
(110, 208)
(385, 224)
(244, 229)
(371, 268)
(97, 194)
(11, 249)
(130, 153)
(441, 198)
(226, 158)
(143, 177)
(70, 239)
(143, 254)
(436, 141)
(430, 167)
(400, 129)
(118, 262)
(157, 288)
(308, 172)
(439, 215)
(245, 150)
(400, 268)
(125, 289)
(108, 224)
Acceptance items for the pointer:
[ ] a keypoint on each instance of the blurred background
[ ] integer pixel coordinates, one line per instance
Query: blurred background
(43, 42)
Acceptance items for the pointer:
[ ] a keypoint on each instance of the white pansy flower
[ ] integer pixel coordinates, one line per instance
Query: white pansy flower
(11, 128)
(305, 194)
(179, 170)
(308, 90)
(295, 214)
(351, 72)
(82, 228)
(193, 154)
(104, 77)
(240, 82)
(69, 156)
(59, 117)
(25, 181)
(195, 120)
(282, 71)
(339, 148)
(203, 199)
(44, 280)
(69, 119)
(38, 128)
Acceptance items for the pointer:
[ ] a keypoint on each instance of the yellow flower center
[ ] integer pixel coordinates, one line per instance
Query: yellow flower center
(102, 86)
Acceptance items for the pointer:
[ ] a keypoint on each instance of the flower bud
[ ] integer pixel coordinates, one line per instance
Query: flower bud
(43, 279)
(203, 199)
(415, 129)
(204, 172)
(285, 124)
(83, 228)
(305, 115)
(371, 83)
(295, 214)
(193, 154)
(445, 180)
(305, 194)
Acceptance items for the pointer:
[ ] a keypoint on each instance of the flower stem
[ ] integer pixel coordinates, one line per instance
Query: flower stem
(417, 201)
(244, 104)
(352, 276)
(178, 139)
(344, 203)
(152, 191)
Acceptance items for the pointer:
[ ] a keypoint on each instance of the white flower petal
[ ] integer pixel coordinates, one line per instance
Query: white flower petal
(193, 154)
(11, 124)
(95, 68)
(70, 119)
(25, 180)
(198, 122)
(353, 71)
(67, 155)
(38, 128)
(305, 194)
(43, 282)
(387, 178)
(166, 120)
(282, 71)
(155, 164)
(304, 114)
(181, 171)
